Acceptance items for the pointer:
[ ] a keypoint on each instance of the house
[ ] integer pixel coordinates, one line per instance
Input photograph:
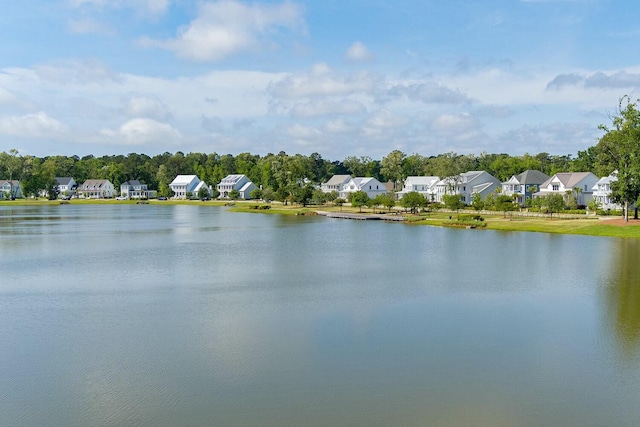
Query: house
(602, 193)
(371, 186)
(66, 186)
(424, 185)
(134, 189)
(467, 184)
(183, 184)
(523, 185)
(10, 189)
(579, 184)
(335, 183)
(96, 189)
(236, 182)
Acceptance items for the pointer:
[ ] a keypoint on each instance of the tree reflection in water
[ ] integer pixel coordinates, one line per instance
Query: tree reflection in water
(623, 296)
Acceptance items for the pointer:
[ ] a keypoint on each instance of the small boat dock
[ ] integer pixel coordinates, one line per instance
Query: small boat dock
(362, 217)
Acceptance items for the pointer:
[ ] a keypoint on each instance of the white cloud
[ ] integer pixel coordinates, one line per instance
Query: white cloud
(358, 52)
(142, 131)
(321, 81)
(383, 124)
(340, 126)
(146, 106)
(38, 125)
(300, 132)
(77, 72)
(327, 108)
(227, 27)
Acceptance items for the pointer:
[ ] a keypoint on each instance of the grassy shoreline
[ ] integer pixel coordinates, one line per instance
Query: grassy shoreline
(588, 226)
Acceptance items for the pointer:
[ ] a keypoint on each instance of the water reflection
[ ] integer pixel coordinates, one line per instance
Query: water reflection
(623, 296)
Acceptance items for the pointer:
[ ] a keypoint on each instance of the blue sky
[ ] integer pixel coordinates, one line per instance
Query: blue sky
(341, 78)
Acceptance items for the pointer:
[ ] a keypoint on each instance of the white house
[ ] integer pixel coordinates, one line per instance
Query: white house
(524, 185)
(134, 189)
(371, 186)
(467, 184)
(97, 189)
(602, 193)
(236, 182)
(579, 184)
(10, 189)
(424, 185)
(66, 185)
(183, 184)
(335, 183)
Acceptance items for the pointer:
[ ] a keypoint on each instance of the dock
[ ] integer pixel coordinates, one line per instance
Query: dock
(361, 217)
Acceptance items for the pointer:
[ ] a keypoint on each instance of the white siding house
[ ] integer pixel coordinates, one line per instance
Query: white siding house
(335, 183)
(467, 184)
(371, 186)
(524, 185)
(236, 182)
(134, 189)
(602, 193)
(97, 189)
(576, 183)
(10, 189)
(425, 185)
(66, 186)
(183, 184)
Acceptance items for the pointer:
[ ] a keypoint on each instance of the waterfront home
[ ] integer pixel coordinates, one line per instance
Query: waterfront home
(134, 189)
(602, 193)
(10, 189)
(335, 183)
(236, 182)
(467, 184)
(371, 186)
(183, 184)
(424, 185)
(96, 189)
(66, 185)
(524, 185)
(577, 184)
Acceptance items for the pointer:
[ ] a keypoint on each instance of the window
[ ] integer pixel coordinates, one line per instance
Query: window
(555, 187)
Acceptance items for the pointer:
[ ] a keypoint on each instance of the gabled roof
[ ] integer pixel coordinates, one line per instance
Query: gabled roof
(338, 179)
(568, 179)
(422, 180)
(184, 179)
(94, 183)
(246, 186)
(481, 187)
(131, 182)
(232, 179)
(66, 180)
(532, 177)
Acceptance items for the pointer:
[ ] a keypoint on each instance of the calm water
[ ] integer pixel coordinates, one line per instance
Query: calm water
(191, 315)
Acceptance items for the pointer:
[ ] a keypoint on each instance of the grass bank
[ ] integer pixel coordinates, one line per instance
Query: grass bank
(589, 226)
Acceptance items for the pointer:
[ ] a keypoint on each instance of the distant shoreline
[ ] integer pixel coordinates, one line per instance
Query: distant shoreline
(576, 225)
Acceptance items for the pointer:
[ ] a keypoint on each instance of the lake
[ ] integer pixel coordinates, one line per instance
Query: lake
(152, 315)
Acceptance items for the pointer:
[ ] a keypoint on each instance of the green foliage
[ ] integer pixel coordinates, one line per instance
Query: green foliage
(453, 201)
(477, 203)
(54, 191)
(387, 200)
(234, 194)
(256, 194)
(203, 193)
(413, 201)
(505, 203)
(619, 151)
(358, 199)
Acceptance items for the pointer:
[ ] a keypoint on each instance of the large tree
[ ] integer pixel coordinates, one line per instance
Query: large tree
(619, 152)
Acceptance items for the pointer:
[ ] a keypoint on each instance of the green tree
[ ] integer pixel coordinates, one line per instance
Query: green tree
(392, 167)
(504, 204)
(619, 152)
(256, 194)
(477, 202)
(203, 193)
(386, 199)
(453, 201)
(53, 191)
(358, 199)
(234, 194)
(413, 201)
(339, 202)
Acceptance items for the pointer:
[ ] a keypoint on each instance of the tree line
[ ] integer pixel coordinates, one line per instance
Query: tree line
(283, 174)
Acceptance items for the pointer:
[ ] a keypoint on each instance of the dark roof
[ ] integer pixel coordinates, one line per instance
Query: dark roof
(532, 177)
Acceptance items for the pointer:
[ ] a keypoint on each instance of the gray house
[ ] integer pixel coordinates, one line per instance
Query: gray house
(524, 185)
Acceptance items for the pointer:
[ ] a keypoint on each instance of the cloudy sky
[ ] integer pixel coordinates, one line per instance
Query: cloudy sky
(337, 77)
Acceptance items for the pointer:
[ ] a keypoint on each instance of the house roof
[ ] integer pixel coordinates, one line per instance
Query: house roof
(338, 179)
(131, 182)
(532, 177)
(184, 179)
(422, 180)
(568, 179)
(94, 183)
(64, 180)
(246, 186)
(231, 179)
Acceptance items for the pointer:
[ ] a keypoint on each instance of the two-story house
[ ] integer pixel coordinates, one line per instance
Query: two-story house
(602, 193)
(467, 184)
(238, 182)
(10, 189)
(424, 185)
(96, 189)
(134, 189)
(570, 184)
(524, 185)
